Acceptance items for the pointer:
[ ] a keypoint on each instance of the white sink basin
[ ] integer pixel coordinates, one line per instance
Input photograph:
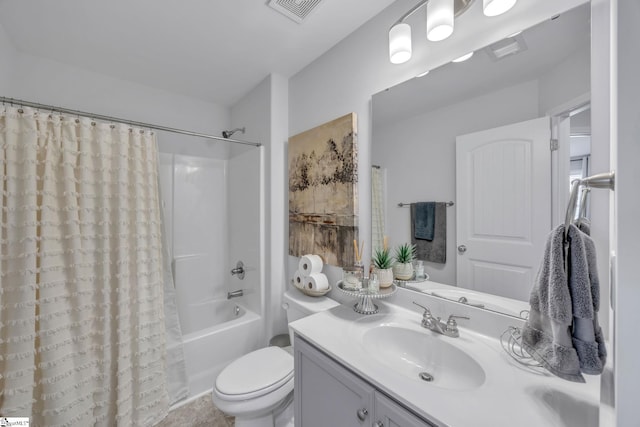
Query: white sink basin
(415, 353)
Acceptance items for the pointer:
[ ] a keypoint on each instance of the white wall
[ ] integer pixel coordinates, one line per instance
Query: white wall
(279, 219)
(263, 111)
(568, 81)
(50, 82)
(244, 224)
(8, 55)
(625, 126)
(419, 157)
(252, 113)
(344, 79)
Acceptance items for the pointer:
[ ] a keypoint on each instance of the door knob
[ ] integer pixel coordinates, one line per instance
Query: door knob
(462, 249)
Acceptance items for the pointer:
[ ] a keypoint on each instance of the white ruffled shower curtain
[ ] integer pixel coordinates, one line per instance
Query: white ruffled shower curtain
(82, 328)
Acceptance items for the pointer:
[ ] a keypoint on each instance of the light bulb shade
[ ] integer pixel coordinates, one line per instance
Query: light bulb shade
(400, 43)
(439, 19)
(496, 7)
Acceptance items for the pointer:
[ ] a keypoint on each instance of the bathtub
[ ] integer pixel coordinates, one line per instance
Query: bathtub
(234, 331)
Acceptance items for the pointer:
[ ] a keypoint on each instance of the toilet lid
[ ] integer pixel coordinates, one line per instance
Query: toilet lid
(255, 374)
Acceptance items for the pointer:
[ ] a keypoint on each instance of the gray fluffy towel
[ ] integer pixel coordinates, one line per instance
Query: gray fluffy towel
(432, 250)
(562, 332)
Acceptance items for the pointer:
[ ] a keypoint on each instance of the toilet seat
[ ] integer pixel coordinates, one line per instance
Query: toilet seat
(255, 374)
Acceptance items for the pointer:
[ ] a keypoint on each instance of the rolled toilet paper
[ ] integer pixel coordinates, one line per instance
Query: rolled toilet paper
(298, 279)
(310, 264)
(316, 282)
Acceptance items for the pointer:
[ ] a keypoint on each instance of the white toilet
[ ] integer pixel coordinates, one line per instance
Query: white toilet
(258, 387)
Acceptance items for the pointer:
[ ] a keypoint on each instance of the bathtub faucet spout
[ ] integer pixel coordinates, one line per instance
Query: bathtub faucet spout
(235, 294)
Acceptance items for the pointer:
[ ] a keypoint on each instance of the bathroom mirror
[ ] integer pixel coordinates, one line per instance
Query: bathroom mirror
(438, 138)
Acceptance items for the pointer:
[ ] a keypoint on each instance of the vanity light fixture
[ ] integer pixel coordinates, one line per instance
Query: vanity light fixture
(400, 43)
(439, 19)
(496, 7)
(463, 57)
(440, 16)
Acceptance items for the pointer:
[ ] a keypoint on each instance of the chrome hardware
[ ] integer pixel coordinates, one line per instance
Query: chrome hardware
(362, 414)
(464, 300)
(239, 270)
(236, 310)
(425, 376)
(378, 424)
(461, 300)
(235, 294)
(436, 324)
(451, 328)
(462, 249)
(428, 321)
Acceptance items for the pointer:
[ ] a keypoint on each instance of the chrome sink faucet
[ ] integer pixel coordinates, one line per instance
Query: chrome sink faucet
(436, 324)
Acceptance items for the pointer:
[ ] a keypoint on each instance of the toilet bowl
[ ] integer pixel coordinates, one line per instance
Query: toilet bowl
(258, 386)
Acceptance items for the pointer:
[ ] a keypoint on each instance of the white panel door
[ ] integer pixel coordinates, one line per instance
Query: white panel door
(503, 215)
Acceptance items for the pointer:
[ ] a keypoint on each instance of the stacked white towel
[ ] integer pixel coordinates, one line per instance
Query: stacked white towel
(309, 275)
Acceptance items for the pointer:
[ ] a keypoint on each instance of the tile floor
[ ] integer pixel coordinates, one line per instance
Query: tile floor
(198, 413)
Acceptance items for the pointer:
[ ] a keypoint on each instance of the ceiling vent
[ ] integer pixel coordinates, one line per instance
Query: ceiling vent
(296, 10)
(506, 47)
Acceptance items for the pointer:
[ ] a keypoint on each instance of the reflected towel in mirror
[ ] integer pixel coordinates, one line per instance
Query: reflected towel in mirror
(436, 249)
(424, 220)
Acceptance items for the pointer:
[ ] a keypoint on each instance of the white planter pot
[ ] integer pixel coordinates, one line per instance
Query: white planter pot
(385, 277)
(403, 271)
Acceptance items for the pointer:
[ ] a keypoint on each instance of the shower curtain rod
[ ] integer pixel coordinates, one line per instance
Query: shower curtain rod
(22, 103)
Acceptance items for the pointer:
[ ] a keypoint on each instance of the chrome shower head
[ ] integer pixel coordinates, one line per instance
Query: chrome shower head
(229, 133)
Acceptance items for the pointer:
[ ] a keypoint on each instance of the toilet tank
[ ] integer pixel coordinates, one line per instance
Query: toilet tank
(299, 305)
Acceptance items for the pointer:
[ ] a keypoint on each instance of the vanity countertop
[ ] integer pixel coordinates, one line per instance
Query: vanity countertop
(510, 394)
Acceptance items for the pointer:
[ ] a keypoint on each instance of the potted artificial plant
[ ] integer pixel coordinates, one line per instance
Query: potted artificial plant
(382, 262)
(403, 267)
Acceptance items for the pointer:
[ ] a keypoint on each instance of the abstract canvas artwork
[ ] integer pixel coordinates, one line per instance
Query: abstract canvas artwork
(323, 191)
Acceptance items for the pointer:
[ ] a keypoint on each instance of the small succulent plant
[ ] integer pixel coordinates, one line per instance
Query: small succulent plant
(382, 259)
(405, 253)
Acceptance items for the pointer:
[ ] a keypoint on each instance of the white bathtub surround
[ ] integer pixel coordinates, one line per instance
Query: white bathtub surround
(212, 209)
(83, 334)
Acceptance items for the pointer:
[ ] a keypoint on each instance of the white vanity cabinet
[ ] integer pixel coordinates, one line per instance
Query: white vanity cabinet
(328, 394)
(389, 413)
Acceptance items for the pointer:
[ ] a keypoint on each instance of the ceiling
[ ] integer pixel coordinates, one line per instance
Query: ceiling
(208, 49)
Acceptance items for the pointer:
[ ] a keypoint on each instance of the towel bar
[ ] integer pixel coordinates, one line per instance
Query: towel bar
(601, 180)
(405, 205)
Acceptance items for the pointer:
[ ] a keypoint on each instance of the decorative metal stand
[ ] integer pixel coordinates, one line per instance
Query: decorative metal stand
(365, 297)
